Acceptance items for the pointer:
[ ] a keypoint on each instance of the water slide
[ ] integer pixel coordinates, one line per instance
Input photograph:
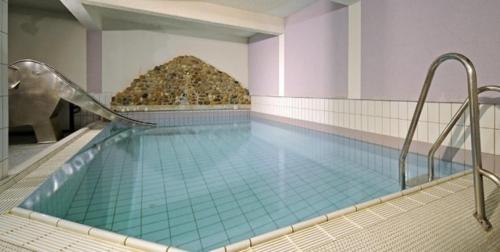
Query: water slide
(35, 92)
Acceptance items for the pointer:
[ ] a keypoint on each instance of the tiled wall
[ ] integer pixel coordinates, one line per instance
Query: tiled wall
(175, 118)
(103, 97)
(4, 104)
(168, 118)
(188, 118)
(389, 118)
(84, 117)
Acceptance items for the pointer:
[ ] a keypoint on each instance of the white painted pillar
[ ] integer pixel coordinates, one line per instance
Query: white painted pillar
(94, 61)
(354, 52)
(281, 65)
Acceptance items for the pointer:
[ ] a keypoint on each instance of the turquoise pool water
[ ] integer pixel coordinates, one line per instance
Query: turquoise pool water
(201, 187)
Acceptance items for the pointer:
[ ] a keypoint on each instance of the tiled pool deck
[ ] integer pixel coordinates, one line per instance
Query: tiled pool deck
(438, 218)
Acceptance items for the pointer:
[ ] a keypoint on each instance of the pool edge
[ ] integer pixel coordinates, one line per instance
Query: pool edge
(46, 155)
(253, 241)
(21, 170)
(82, 229)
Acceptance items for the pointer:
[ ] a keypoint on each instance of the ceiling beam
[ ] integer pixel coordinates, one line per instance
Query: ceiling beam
(80, 13)
(197, 11)
(345, 2)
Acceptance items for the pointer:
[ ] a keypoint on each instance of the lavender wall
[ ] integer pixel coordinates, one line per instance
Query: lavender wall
(316, 44)
(263, 65)
(400, 39)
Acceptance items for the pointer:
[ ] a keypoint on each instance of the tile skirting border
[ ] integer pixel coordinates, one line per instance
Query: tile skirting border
(180, 108)
(191, 117)
(447, 153)
(174, 118)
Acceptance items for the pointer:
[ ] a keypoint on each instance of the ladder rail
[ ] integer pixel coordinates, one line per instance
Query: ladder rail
(480, 213)
(448, 129)
(491, 176)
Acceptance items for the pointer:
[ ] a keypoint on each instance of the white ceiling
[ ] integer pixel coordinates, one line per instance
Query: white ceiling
(112, 19)
(281, 8)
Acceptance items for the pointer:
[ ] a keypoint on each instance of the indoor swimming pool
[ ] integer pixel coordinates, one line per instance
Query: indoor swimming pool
(201, 187)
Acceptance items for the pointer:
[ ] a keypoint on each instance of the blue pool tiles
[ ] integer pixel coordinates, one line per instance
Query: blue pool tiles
(202, 187)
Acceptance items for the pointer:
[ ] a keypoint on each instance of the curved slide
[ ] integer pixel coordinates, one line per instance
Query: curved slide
(35, 91)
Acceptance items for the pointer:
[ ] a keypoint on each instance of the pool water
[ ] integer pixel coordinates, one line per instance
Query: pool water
(202, 187)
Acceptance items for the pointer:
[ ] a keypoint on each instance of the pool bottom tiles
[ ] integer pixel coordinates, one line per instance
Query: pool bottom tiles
(202, 187)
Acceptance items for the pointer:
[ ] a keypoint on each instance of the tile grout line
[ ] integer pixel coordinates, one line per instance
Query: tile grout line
(373, 212)
(443, 189)
(416, 201)
(396, 206)
(293, 243)
(325, 232)
(429, 194)
(352, 222)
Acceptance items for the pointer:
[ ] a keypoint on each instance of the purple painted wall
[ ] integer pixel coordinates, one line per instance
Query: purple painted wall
(401, 38)
(263, 65)
(316, 41)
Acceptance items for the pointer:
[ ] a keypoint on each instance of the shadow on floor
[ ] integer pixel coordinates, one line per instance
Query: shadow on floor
(23, 146)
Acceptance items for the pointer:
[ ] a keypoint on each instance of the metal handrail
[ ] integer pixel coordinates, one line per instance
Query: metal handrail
(475, 134)
(430, 158)
(472, 82)
(449, 127)
(491, 176)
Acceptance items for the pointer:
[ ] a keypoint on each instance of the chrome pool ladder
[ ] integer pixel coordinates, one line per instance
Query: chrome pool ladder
(446, 131)
(472, 103)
